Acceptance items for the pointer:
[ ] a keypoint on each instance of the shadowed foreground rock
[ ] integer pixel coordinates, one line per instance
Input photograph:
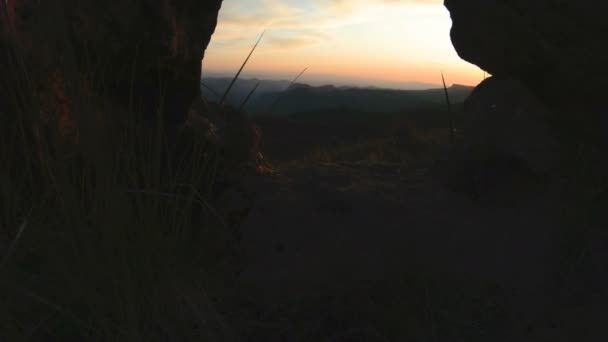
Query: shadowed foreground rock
(66, 61)
(553, 46)
(545, 53)
(507, 143)
(142, 54)
(541, 114)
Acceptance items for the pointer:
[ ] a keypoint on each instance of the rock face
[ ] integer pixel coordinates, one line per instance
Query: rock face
(546, 55)
(553, 46)
(506, 146)
(134, 57)
(229, 129)
(506, 116)
(542, 108)
(144, 54)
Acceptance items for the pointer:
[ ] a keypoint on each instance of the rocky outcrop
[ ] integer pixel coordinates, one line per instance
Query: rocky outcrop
(79, 67)
(505, 145)
(541, 117)
(544, 55)
(143, 54)
(506, 116)
(554, 46)
(229, 129)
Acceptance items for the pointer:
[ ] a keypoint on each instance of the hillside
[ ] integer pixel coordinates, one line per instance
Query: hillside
(277, 97)
(241, 88)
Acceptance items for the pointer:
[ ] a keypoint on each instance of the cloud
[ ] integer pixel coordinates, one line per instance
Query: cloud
(348, 6)
(293, 23)
(432, 2)
(293, 42)
(380, 39)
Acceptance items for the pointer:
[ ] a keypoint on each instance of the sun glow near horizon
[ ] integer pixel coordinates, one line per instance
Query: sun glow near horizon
(365, 42)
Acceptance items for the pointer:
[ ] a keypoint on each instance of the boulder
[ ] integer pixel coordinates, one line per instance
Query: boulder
(505, 116)
(141, 54)
(542, 114)
(229, 129)
(549, 58)
(505, 147)
(555, 47)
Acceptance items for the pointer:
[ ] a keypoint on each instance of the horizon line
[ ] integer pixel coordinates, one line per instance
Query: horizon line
(405, 85)
(328, 81)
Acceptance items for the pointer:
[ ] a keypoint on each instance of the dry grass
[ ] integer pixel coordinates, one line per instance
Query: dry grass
(413, 144)
(107, 231)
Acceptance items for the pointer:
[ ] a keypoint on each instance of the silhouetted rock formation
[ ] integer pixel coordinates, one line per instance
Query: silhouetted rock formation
(541, 114)
(144, 54)
(553, 49)
(553, 46)
(516, 125)
(506, 142)
(229, 129)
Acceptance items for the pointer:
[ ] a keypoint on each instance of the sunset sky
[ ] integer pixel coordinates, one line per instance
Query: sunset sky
(362, 42)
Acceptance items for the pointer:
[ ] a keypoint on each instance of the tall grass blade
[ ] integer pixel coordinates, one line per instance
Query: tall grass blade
(241, 69)
(248, 97)
(288, 87)
(213, 91)
(297, 77)
(449, 104)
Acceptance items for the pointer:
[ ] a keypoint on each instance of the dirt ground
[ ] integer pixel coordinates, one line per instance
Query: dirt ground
(389, 242)
(335, 229)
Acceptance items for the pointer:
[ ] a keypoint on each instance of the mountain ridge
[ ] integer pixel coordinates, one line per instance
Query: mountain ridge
(283, 97)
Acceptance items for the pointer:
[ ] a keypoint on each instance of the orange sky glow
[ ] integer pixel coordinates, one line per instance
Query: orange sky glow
(360, 42)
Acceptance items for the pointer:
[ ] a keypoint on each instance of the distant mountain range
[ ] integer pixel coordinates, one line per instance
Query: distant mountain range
(278, 97)
(337, 81)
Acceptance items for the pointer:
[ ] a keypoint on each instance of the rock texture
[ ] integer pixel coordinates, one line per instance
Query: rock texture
(554, 46)
(506, 146)
(506, 116)
(543, 107)
(144, 54)
(544, 55)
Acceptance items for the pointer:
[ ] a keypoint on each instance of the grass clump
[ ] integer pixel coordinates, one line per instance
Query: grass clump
(106, 227)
